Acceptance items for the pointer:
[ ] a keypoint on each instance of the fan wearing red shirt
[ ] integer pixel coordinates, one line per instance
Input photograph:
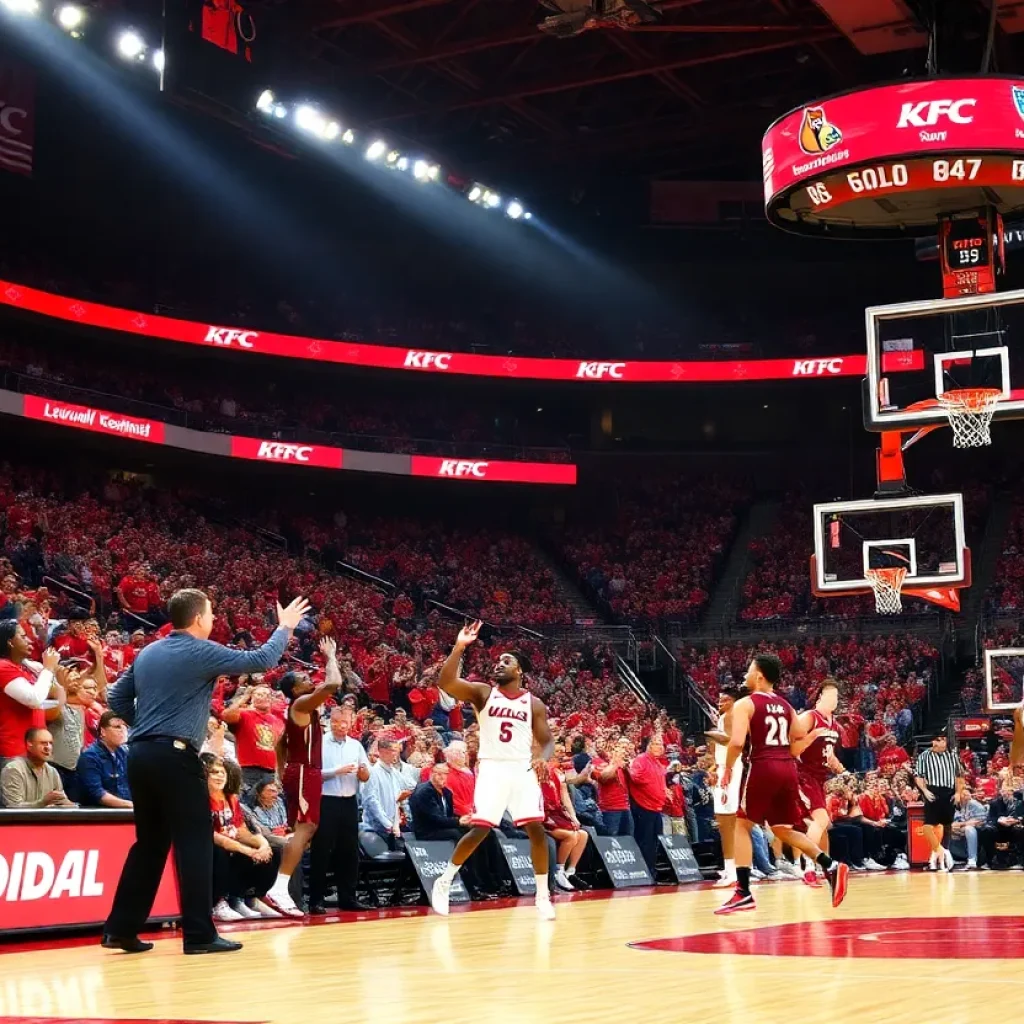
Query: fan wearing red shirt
(648, 790)
(258, 729)
(138, 592)
(613, 790)
(75, 642)
(891, 757)
(27, 689)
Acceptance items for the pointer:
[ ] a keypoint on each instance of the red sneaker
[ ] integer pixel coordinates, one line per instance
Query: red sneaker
(811, 879)
(737, 902)
(838, 877)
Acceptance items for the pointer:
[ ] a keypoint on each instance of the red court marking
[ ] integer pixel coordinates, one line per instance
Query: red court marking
(875, 938)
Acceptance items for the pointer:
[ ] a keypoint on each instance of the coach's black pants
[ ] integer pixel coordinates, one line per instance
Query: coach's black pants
(172, 807)
(646, 829)
(335, 847)
(846, 842)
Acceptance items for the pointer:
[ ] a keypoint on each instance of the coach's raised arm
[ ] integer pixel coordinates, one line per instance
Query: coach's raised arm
(165, 697)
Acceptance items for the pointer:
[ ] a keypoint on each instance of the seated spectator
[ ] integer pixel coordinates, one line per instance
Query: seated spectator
(970, 816)
(30, 781)
(268, 814)
(561, 823)
(244, 863)
(103, 767)
(1002, 838)
(433, 808)
(390, 784)
(219, 741)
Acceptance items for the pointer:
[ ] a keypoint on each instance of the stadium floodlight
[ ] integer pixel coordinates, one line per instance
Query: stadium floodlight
(265, 103)
(348, 137)
(474, 194)
(130, 45)
(421, 170)
(332, 130)
(492, 199)
(159, 60)
(392, 157)
(70, 17)
(376, 150)
(515, 209)
(403, 163)
(22, 6)
(527, 215)
(309, 119)
(280, 111)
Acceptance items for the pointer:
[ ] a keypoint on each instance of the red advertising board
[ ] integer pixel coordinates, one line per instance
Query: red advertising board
(481, 469)
(351, 353)
(100, 421)
(53, 875)
(295, 454)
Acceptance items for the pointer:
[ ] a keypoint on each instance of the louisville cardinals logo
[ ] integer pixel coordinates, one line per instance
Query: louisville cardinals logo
(817, 135)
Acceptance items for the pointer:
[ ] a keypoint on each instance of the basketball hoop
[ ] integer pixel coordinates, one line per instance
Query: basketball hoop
(886, 583)
(970, 415)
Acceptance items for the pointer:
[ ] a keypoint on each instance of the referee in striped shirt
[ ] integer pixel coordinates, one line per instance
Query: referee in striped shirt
(940, 777)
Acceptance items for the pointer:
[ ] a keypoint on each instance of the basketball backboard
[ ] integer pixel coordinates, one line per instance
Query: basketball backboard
(923, 535)
(1004, 678)
(942, 345)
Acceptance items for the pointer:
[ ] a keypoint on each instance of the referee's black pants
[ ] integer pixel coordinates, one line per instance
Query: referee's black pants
(172, 807)
(335, 847)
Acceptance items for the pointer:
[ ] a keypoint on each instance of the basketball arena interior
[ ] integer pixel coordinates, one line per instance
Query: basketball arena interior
(691, 328)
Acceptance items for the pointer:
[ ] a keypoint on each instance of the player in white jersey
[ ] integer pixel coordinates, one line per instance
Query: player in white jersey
(511, 721)
(727, 798)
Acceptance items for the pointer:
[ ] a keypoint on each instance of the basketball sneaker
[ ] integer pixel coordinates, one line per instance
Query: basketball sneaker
(545, 910)
(281, 900)
(439, 895)
(933, 862)
(737, 903)
(222, 912)
(811, 879)
(838, 877)
(239, 907)
(948, 859)
(726, 880)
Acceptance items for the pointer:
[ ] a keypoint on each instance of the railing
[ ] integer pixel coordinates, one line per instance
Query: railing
(88, 599)
(345, 569)
(630, 679)
(47, 387)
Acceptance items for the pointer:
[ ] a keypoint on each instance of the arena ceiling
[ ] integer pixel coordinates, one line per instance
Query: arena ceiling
(685, 96)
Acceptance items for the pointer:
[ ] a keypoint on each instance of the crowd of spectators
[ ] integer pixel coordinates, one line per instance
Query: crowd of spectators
(658, 559)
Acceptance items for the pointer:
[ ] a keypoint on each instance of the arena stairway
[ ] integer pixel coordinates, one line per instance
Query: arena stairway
(584, 613)
(757, 521)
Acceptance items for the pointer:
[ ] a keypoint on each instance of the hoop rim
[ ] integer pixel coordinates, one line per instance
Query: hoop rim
(909, 590)
(968, 400)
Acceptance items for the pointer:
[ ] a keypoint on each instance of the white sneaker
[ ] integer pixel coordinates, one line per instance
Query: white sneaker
(545, 910)
(756, 875)
(902, 864)
(239, 907)
(281, 900)
(777, 876)
(439, 895)
(933, 862)
(949, 860)
(727, 880)
(263, 909)
(222, 912)
(562, 881)
(972, 865)
(872, 865)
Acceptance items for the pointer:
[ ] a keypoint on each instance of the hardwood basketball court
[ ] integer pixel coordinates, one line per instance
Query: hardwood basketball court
(903, 947)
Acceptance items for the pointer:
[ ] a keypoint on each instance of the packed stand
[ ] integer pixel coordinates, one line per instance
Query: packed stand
(658, 559)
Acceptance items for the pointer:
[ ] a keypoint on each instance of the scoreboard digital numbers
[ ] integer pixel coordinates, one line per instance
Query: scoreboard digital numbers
(893, 160)
(967, 256)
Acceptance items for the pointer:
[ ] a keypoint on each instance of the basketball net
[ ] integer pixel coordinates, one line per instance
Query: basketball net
(886, 583)
(970, 415)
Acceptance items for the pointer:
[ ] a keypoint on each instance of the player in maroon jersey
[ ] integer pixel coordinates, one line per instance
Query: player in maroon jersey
(301, 778)
(816, 750)
(771, 791)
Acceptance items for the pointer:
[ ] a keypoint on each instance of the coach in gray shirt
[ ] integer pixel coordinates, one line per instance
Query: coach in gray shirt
(165, 697)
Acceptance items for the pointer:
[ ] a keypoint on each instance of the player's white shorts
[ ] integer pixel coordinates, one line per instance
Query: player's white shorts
(506, 786)
(727, 801)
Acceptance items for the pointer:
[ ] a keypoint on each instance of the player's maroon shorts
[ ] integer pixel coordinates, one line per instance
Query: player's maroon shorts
(812, 794)
(301, 780)
(771, 794)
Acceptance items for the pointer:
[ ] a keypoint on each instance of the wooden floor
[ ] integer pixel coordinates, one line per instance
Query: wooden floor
(872, 961)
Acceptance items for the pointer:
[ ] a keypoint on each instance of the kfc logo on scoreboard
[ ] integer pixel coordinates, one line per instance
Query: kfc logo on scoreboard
(230, 337)
(284, 452)
(462, 468)
(928, 113)
(600, 371)
(817, 367)
(427, 360)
